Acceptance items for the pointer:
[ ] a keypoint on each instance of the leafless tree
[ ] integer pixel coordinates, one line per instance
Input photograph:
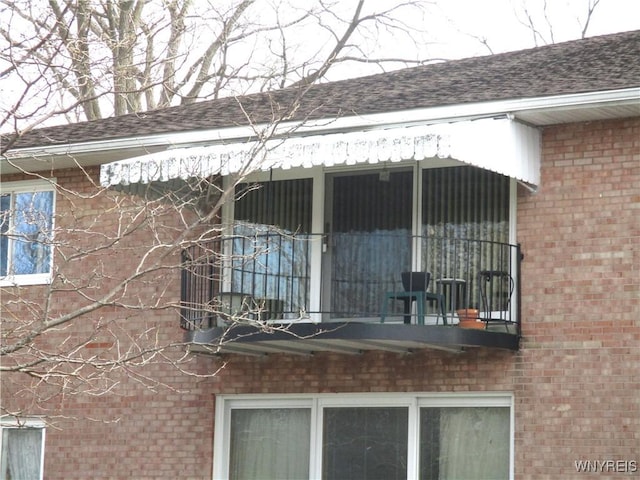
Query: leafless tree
(87, 60)
(111, 311)
(541, 24)
(117, 257)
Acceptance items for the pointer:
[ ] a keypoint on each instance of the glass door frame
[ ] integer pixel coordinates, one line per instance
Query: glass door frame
(327, 261)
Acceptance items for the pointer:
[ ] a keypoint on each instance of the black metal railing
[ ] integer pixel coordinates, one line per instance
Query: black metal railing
(269, 275)
(266, 274)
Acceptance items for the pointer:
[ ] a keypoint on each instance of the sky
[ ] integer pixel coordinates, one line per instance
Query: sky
(454, 29)
(500, 22)
(456, 26)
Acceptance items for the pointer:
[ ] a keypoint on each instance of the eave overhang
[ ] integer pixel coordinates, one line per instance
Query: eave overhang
(346, 338)
(536, 111)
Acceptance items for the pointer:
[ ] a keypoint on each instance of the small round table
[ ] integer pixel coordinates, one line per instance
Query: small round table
(454, 291)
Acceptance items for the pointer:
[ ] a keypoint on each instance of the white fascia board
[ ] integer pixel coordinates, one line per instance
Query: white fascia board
(472, 111)
(448, 113)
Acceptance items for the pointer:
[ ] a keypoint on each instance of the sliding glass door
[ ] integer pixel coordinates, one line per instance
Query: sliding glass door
(465, 228)
(450, 221)
(368, 221)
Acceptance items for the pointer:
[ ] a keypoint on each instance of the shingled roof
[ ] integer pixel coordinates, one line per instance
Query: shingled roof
(604, 63)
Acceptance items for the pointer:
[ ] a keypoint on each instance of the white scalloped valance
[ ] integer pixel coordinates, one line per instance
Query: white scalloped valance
(500, 145)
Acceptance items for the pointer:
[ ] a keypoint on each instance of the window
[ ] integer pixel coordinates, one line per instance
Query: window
(271, 247)
(269, 443)
(464, 442)
(22, 447)
(374, 436)
(26, 232)
(365, 442)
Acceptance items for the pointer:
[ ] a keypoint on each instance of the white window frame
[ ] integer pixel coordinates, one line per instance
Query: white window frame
(10, 422)
(30, 186)
(317, 402)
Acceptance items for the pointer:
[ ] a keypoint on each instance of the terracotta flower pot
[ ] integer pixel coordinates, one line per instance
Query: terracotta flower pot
(468, 313)
(468, 318)
(471, 324)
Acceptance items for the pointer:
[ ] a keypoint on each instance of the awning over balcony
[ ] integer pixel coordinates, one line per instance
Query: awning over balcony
(500, 145)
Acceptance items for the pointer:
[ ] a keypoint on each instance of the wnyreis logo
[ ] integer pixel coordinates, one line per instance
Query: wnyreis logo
(606, 466)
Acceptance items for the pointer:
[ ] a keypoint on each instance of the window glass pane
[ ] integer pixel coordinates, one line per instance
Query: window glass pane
(464, 443)
(270, 443)
(465, 202)
(465, 226)
(272, 250)
(5, 207)
(273, 268)
(21, 453)
(370, 241)
(32, 229)
(365, 443)
(285, 204)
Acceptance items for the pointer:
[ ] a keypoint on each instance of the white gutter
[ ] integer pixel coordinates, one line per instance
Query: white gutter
(400, 118)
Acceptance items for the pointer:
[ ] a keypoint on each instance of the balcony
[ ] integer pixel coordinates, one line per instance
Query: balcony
(283, 293)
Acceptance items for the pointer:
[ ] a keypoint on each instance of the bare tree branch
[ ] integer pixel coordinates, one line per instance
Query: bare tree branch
(591, 6)
(115, 57)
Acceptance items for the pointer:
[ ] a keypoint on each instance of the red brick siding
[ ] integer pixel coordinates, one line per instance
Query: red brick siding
(579, 388)
(576, 380)
(155, 422)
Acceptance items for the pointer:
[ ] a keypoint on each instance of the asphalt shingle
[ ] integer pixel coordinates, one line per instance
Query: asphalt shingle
(602, 63)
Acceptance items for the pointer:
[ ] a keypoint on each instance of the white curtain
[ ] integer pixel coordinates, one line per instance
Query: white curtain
(270, 444)
(21, 453)
(474, 443)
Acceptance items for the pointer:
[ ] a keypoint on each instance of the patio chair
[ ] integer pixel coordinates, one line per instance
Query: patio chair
(496, 290)
(415, 286)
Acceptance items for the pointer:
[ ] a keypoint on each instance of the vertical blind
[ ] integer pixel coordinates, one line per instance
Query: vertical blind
(371, 239)
(372, 202)
(465, 202)
(464, 230)
(465, 227)
(285, 204)
(271, 251)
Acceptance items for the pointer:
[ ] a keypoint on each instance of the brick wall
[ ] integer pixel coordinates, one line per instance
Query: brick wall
(149, 421)
(578, 396)
(576, 379)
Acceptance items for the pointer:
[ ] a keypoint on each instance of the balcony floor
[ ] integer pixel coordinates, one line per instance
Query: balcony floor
(346, 337)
